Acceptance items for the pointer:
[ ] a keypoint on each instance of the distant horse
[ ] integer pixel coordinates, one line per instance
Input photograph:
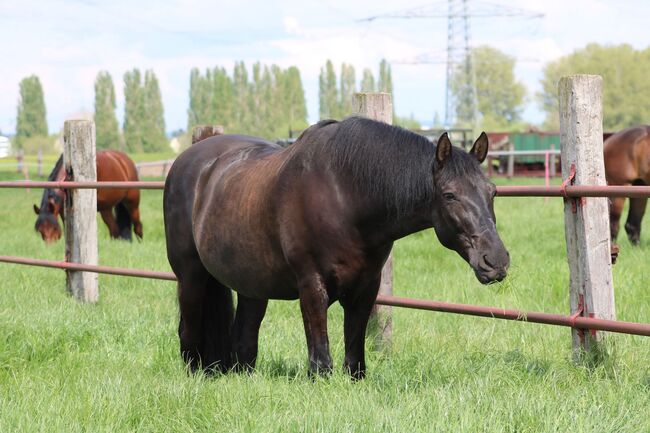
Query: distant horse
(112, 165)
(314, 221)
(627, 162)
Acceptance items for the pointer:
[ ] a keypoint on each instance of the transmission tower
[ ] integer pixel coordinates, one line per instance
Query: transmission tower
(458, 53)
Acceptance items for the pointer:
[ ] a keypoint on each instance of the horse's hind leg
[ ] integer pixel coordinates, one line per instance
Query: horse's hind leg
(245, 334)
(355, 323)
(109, 220)
(205, 320)
(615, 211)
(132, 204)
(634, 218)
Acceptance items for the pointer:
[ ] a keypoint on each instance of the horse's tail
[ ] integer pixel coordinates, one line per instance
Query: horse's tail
(124, 222)
(218, 316)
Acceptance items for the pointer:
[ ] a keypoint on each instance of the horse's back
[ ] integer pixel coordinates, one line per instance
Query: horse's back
(627, 155)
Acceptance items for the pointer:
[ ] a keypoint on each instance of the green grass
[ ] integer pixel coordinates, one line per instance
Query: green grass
(115, 366)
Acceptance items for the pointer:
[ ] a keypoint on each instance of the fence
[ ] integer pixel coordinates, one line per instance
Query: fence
(586, 223)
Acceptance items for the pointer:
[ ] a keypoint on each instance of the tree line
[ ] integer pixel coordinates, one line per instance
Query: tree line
(270, 101)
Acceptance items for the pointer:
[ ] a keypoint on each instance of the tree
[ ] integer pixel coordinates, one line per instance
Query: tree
(368, 81)
(328, 94)
(154, 138)
(106, 125)
(348, 88)
(625, 83)
(222, 98)
(295, 94)
(241, 95)
(500, 97)
(30, 120)
(271, 105)
(385, 77)
(133, 110)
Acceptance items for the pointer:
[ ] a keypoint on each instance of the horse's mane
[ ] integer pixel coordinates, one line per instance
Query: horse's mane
(383, 161)
(49, 192)
(56, 168)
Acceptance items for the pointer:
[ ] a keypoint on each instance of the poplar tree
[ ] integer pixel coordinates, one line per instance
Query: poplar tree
(154, 137)
(241, 98)
(222, 98)
(368, 81)
(348, 88)
(385, 77)
(106, 125)
(328, 95)
(133, 111)
(30, 119)
(295, 97)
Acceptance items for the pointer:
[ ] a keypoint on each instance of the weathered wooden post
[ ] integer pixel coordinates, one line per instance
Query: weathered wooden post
(39, 163)
(201, 132)
(80, 208)
(511, 160)
(379, 106)
(552, 163)
(586, 219)
(19, 161)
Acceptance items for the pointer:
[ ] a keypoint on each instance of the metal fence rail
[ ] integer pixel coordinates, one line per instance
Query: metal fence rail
(502, 191)
(420, 304)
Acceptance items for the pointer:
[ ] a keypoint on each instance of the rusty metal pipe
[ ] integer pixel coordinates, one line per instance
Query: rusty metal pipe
(84, 185)
(574, 191)
(445, 307)
(522, 316)
(503, 191)
(89, 268)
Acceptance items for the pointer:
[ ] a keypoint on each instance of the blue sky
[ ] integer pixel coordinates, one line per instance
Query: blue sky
(66, 42)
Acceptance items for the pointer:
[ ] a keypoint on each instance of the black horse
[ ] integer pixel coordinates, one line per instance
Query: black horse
(314, 221)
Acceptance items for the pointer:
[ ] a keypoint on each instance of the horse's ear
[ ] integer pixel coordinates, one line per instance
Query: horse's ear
(37, 210)
(443, 149)
(480, 148)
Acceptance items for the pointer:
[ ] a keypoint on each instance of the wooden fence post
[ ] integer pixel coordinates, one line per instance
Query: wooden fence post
(81, 208)
(379, 106)
(586, 219)
(19, 161)
(553, 170)
(39, 163)
(201, 132)
(511, 160)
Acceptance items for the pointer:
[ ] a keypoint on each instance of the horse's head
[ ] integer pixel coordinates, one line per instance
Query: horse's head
(47, 223)
(464, 218)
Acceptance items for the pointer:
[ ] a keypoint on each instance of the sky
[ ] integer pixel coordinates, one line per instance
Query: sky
(67, 42)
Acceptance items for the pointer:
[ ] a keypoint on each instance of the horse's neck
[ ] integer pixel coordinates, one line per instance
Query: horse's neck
(381, 227)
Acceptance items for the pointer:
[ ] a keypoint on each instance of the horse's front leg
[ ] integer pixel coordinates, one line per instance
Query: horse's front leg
(355, 322)
(250, 313)
(313, 305)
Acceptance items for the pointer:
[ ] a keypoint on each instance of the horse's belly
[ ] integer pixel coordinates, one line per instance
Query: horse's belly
(249, 276)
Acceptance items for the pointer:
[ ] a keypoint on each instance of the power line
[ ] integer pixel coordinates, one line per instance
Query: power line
(458, 14)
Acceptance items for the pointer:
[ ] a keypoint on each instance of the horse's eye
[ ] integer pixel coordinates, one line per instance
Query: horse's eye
(449, 196)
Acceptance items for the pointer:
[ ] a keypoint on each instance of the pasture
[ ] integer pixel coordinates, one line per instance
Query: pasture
(115, 366)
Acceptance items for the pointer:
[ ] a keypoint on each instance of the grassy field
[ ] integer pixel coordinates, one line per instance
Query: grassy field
(115, 366)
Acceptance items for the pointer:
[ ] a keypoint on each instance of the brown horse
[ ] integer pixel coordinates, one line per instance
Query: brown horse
(627, 162)
(314, 221)
(112, 165)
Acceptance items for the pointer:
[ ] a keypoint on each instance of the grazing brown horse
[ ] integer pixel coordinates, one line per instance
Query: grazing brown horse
(112, 165)
(314, 221)
(627, 162)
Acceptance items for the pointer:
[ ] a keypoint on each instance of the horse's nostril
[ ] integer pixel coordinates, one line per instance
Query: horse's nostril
(487, 262)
